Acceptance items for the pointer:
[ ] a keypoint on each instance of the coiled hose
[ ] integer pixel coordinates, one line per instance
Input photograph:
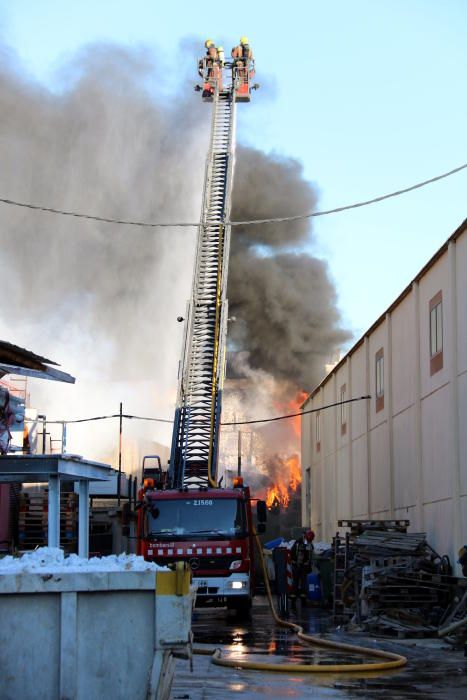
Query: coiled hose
(391, 661)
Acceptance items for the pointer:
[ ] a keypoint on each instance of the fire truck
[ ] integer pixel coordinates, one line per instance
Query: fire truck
(183, 513)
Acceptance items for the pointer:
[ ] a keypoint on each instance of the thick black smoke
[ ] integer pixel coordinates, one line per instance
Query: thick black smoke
(282, 297)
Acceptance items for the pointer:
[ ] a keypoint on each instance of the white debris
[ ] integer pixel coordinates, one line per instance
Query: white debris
(321, 547)
(51, 560)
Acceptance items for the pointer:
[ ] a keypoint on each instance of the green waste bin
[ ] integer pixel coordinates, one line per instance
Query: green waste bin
(325, 566)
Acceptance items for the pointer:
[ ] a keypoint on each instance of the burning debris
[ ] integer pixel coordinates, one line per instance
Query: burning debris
(286, 476)
(270, 452)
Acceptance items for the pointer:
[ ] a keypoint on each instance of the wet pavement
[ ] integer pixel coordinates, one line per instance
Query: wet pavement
(434, 670)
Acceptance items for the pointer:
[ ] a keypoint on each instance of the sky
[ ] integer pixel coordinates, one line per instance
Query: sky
(368, 95)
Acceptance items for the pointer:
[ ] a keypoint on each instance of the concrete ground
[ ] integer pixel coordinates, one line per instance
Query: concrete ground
(434, 670)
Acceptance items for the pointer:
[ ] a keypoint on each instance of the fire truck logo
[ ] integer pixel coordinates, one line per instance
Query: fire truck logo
(194, 563)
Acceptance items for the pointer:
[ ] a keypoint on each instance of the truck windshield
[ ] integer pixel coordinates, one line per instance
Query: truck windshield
(207, 518)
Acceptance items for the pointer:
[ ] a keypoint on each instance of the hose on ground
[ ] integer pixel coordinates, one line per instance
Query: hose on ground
(391, 660)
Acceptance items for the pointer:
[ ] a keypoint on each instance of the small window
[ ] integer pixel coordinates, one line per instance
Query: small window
(343, 409)
(436, 333)
(379, 379)
(318, 431)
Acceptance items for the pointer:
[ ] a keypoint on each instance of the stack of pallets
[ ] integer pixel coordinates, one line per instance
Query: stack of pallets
(33, 520)
(392, 573)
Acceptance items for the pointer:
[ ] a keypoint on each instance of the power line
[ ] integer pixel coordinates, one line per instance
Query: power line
(112, 415)
(301, 413)
(251, 222)
(93, 217)
(365, 203)
(245, 422)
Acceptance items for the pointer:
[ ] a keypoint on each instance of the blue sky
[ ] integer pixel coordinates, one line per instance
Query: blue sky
(369, 96)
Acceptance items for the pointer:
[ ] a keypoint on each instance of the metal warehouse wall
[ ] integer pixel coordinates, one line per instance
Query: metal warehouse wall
(404, 454)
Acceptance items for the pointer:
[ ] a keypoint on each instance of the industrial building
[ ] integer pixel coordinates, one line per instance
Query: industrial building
(402, 453)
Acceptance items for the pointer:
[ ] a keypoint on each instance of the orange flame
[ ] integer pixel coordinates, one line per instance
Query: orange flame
(293, 463)
(287, 483)
(294, 407)
(277, 494)
(288, 476)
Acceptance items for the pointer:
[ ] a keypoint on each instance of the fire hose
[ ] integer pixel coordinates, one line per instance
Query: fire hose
(391, 660)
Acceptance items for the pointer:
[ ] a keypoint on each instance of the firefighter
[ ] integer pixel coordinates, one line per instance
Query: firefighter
(211, 51)
(242, 53)
(221, 56)
(302, 552)
(209, 60)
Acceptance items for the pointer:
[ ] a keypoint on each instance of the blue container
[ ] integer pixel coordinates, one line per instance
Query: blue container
(274, 543)
(313, 587)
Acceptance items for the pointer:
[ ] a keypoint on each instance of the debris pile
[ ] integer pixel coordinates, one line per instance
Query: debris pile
(386, 579)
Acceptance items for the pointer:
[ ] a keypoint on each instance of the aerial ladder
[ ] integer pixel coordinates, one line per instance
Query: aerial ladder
(213, 527)
(195, 441)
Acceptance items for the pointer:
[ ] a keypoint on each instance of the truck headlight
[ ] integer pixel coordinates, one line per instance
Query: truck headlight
(237, 585)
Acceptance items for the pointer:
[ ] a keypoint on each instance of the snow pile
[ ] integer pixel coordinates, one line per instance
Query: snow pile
(51, 560)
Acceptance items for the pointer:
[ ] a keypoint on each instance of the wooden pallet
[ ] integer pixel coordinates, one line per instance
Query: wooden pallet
(33, 520)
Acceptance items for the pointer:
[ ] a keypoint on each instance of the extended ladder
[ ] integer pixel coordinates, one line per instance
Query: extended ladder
(193, 460)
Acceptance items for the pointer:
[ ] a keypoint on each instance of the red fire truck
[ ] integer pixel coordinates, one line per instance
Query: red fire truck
(212, 530)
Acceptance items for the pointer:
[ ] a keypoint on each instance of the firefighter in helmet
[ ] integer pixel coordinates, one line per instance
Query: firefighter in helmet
(209, 60)
(242, 53)
(243, 61)
(301, 554)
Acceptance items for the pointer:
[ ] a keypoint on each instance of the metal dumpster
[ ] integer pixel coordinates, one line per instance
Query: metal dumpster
(92, 635)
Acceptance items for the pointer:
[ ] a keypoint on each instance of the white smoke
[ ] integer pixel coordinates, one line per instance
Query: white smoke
(102, 299)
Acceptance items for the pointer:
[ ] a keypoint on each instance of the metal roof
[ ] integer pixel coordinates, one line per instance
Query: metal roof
(16, 360)
(38, 468)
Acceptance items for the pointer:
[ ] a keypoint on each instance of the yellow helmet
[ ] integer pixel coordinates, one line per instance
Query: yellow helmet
(244, 40)
(208, 43)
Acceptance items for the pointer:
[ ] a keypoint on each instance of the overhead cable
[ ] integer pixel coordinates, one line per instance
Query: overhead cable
(251, 222)
(301, 413)
(244, 422)
(365, 203)
(112, 415)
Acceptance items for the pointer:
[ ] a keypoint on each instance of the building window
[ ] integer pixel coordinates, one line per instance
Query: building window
(379, 380)
(343, 409)
(318, 431)
(436, 333)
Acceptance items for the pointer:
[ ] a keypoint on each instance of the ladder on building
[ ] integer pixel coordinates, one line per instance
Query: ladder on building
(193, 460)
(341, 557)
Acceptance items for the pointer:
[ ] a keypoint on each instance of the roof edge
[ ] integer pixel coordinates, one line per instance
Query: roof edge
(434, 258)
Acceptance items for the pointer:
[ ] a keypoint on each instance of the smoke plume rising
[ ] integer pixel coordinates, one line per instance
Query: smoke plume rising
(102, 299)
(281, 295)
